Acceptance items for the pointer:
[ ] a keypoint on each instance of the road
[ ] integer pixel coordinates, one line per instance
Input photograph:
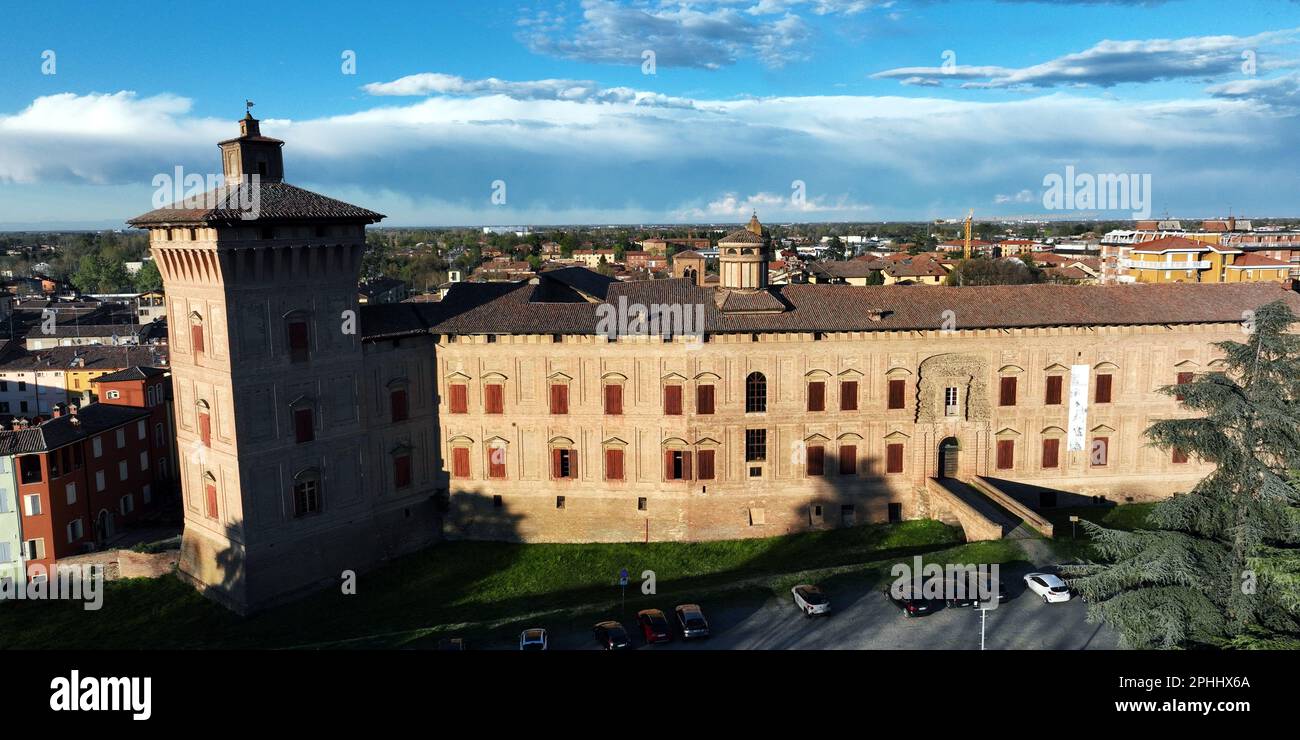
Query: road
(865, 620)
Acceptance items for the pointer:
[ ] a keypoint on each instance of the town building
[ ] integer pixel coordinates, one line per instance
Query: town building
(1178, 259)
(11, 527)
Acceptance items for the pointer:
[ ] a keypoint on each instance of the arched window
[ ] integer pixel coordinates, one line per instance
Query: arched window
(299, 336)
(196, 333)
(755, 394)
(210, 495)
(306, 492)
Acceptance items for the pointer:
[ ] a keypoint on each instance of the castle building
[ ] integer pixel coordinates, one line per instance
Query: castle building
(570, 407)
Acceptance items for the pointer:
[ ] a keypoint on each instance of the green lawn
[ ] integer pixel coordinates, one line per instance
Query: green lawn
(1079, 546)
(457, 582)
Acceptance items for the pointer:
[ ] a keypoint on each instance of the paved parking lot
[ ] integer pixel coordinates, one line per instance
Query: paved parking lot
(865, 620)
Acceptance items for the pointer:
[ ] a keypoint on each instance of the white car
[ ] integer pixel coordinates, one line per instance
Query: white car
(811, 600)
(533, 639)
(1050, 587)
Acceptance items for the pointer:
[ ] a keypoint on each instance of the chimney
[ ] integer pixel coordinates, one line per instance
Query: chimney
(72, 409)
(57, 411)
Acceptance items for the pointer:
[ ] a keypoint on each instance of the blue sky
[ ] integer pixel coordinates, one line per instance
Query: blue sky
(881, 110)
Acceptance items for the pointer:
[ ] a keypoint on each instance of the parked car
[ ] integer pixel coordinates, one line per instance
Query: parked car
(811, 600)
(1050, 587)
(654, 626)
(532, 639)
(451, 643)
(691, 620)
(611, 636)
(909, 606)
(971, 597)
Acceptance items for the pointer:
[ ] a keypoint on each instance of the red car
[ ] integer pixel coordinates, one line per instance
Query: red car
(654, 626)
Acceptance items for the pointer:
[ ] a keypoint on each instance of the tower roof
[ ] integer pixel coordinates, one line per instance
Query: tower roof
(741, 236)
(275, 201)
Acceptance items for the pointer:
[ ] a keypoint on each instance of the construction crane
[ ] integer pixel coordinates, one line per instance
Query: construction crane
(966, 245)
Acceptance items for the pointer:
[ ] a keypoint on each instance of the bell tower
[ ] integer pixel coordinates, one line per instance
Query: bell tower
(743, 258)
(250, 153)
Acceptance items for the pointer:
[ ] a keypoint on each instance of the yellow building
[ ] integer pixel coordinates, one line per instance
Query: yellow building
(1177, 259)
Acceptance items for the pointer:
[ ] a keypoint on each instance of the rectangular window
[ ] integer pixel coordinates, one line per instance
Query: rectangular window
(894, 458)
(34, 549)
(559, 398)
(459, 398)
(196, 338)
(402, 471)
(122, 471)
(1053, 396)
(816, 460)
(1100, 451)
(298, 341)
(817, 396)
(494, 398)
(101, 481)
(304, 430)
(5, 555)
(613, 464)
(704, 399)
(30, 469)
(126, 504)
(141, 429)
(614, 399)
(205, 433)
(460, 462)
(848, 459)
(210, 496)
(75, 530)
(1103, 388)
(32, 504)
(564, 464)
(1051, 453)
(120, 436)
(306, 497)
(1006, 454)
(755, 445)
(848, 395)
(950, 401)
(1007, 392)
(706, 465)
(897, 390)
(144, 460)
(677, 465)
(146, 494)
(1180, 456)
(1183, 379)
(673, 400)
(397, 405)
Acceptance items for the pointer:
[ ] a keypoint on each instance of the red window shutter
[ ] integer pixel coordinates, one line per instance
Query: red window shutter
(494, 399)
(397, 404)
(303, 428)
(557, 464)
(614, 399)
(894, 458)
(1053, 390)
(668, 465)
(497, 462)
(1183, 379)
(210, 491)
(1007, 396)
(1103, 388)
(459, 398)
(559, 398)
(816, 460)
(573, 462)
(613, 464)
(849, 395)
(1180, 456)
(848, 459)
(897, 389)
(706, 465)
(817, 396)
(1051, 453)
(402, 471)
(460, 462)
(298, 344)
(1006, 454)
(205, 429)
(196, 337)
(704, 399)
(673, 400)
(1100, 450)
(686, 466)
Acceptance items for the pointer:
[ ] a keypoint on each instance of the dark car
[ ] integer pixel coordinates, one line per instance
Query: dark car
(909, 606)
(654, 626)
(451, 643)
(610, 635)
(970, 597)
(691, 620)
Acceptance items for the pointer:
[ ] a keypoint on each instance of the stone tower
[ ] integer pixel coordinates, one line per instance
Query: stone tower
(268, 370)
(743, 258)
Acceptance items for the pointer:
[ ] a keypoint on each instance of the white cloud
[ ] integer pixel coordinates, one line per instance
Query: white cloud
(582, 91)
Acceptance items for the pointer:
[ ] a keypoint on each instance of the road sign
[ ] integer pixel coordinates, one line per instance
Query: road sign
(622, 577)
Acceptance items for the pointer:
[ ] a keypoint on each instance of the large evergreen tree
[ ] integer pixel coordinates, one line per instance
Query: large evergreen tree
(1219, 565)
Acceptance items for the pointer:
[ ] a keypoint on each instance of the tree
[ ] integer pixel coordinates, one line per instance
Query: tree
(1220, 565)
(148, 278)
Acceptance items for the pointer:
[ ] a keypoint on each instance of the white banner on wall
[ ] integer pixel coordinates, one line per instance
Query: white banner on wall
(1078, 429)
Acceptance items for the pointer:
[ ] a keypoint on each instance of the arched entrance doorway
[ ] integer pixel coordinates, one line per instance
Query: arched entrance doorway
(948, 450)
(103, 526)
